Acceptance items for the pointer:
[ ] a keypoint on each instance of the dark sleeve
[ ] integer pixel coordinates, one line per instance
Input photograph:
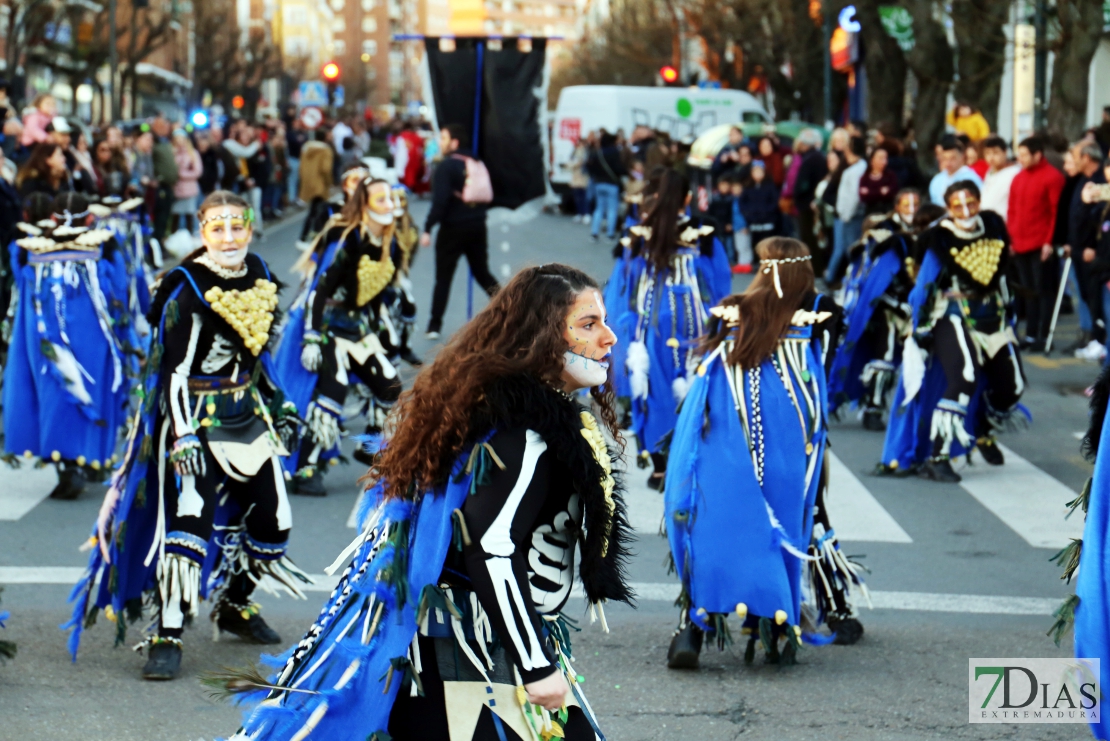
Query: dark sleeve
(441, 194)
(500, 518)
(326, 287)
(829, 331)
(180, 340)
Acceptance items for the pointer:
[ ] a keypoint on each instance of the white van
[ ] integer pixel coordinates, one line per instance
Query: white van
(680, 112)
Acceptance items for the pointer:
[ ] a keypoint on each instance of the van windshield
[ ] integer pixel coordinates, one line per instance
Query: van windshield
(753, 117)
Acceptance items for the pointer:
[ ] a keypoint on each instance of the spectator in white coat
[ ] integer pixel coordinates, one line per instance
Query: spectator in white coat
(996, 184)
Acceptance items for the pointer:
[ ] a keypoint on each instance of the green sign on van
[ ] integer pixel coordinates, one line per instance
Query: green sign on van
(684, 107)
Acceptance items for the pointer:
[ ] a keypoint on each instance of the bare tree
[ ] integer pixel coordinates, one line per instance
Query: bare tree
(1079, 26)
(979, 28)
(27, 21)
(885, 63)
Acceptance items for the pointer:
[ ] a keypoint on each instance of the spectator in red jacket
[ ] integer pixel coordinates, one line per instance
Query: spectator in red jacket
(1034, 196)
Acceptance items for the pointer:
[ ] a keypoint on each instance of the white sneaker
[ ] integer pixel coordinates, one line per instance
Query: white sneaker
(1094, 351)
(431, 335)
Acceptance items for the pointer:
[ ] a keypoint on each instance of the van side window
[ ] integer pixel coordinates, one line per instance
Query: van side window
(753, 117)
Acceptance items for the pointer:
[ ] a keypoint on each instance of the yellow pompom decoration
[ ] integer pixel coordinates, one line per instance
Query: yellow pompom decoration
(780, 617)
(373, 277)
(80, 460)
(741, 610)
(250, 313)
(55, 456)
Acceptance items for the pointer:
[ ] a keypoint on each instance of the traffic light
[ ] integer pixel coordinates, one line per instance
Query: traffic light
(669, 74)
(330, 73)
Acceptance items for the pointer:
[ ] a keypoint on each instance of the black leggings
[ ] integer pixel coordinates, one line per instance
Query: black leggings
(955, 350)
(1036, 292)
(452, 243)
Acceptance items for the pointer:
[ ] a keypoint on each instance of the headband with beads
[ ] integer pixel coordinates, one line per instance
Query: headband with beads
(772, 266)
(248, 216)
(69, 217)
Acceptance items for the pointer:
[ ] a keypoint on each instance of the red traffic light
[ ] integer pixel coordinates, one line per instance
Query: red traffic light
(330, 71)
(668, 73)
(237, 102)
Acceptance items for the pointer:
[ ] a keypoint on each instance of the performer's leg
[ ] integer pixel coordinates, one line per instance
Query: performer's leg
(260, 554)
(879, 373)
(685, 644)
(323, 416)
(957, 355)
(449, 249)
(384, 383)
(477, 256)
(189, 512)
(1005, 385)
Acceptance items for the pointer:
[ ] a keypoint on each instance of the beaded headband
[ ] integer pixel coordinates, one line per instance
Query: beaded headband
(771, 265)
(248, 216)
(69, 217)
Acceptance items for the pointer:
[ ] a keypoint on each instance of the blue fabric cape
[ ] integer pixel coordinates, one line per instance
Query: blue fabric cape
(41, 414)
(726, 549)
(1092, 585)
(844, 379)
(362, 705)
(622, 318)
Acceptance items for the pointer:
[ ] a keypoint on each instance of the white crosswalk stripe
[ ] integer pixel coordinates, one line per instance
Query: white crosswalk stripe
(1026, 499)
(660, 592)
(854, 513)
(22, 488)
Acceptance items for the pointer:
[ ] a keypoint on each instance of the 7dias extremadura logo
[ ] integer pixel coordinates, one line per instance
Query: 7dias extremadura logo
(1033, 691)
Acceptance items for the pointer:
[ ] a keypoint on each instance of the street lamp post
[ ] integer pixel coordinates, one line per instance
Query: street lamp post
(1040, 64)
(826, 53)
(113, 61)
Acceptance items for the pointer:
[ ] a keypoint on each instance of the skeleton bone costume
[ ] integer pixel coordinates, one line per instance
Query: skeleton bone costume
(878, 318)
(339, 335)
(961, 377)
(486, 560)
(199, 503)
(66, 383)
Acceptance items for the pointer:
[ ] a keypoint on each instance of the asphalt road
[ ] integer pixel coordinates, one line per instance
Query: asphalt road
(956, 572)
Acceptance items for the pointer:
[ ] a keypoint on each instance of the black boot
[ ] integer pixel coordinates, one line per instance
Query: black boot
(939, 470)
(309, 486)
(659, 474)
(992, 454)
(848, 630)
(244, 622)
(71, 482)
(163, 660)
(873, 420)
(411, 358)
(685, 647)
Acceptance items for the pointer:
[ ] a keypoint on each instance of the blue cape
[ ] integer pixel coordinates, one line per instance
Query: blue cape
(1092, 585)
(726, 548)
(399, 573)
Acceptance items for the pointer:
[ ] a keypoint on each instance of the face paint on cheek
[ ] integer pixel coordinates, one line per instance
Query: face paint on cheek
(963, 204)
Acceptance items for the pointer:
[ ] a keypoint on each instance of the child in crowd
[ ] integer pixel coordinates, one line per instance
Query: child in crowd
(721, 209)
(742, 236)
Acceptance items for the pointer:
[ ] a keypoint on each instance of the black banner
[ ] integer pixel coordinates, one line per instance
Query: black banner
(509, 115)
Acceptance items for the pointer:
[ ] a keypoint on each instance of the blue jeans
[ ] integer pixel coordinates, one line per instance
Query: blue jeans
(293, 179)
(608, 202)
(581, 201)
(845, 234)
(1078, 302)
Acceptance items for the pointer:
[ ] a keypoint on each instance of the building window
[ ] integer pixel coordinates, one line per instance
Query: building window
(340, 47)
(339, 25)
(369, 24)
(371, 72)
(337, 5)
(370, 47)
(368, 5)
(296, 16)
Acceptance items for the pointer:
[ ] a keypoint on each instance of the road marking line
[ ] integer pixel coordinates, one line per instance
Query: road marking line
(1025, 498)
(657, 592)
(854, 512)
(23, 489)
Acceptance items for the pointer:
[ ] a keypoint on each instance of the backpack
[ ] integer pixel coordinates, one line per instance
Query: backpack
(477, 189)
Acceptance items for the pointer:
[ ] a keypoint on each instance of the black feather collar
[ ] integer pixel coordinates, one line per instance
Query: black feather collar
(524, 400)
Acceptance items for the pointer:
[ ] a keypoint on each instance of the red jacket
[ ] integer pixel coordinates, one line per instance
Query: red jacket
(1031, 217)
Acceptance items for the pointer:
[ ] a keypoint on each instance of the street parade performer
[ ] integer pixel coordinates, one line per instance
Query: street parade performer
(333, 340)
(198, 507)
(1087, 560)
(877, 314)
(401, 302)
(961, 376)
(744, 501)
(66, 384)
(446, 623)
(681, 270)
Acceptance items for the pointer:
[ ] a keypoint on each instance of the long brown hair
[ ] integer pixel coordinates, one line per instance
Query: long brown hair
(662, 216)
(764, 317)
(520, 332)
(36, 166)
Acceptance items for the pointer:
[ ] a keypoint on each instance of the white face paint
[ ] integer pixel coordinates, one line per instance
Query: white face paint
(964, 209)
(228, 258)
(586, 371)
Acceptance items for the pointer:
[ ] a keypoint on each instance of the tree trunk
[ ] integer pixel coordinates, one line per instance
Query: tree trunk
(886, 67)
(979, 27)
(1080, 28)
(932, 64)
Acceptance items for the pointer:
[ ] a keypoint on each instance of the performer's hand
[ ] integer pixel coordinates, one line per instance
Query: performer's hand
(104, 520)
(1088, 255)
(1046, 252)
(425, 240)
(188, 456)
(550, 692)
(1066, 250)
(311, 357)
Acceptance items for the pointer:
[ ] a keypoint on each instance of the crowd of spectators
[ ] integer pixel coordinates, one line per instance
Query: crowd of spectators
(274, 162)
